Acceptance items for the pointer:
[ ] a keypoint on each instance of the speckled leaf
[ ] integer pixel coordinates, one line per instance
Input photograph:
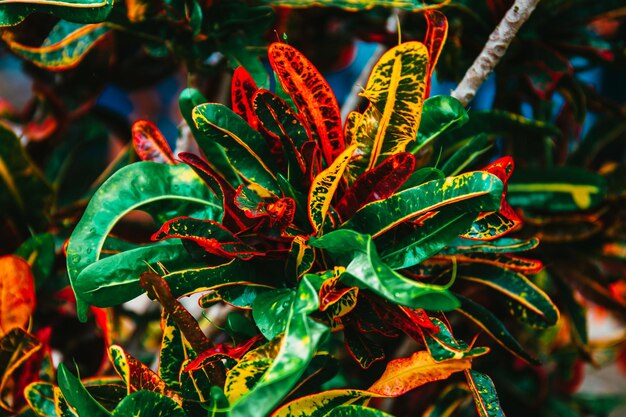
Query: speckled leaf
(556, 189)
(335, 298)
(356, 411)
(502, 245)
(77, 395)
(173, 352)
(491, 226)
(17, 293)
(188, 99)
(13, 12)
(301, 339)
(241, 94)
(138, 376)
(492, 325)
(312, 96)
(150, 144)
(324, 187)
(128, 189)
(376, 184)
(210, 235)
(484, 393)
(365, 270)
(245, 148)
(300, 259)
(318, 405)
(64, 48)
(473, 191)
(148, 404)
(442, 345)
(61, 406)
(529, 300)
(395, 90)
(40, 397)
(404, 374)
(434, 235)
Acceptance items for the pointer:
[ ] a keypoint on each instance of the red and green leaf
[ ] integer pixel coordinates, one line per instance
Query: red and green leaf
(300, 259)
(242, 92)
(150, 144)
(376, 184)
(484, 394)
(210, 235)
(312, 96)
(442, 345)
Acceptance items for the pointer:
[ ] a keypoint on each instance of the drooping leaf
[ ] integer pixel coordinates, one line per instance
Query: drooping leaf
(13, 12)
(439, 114)
(293, 356)
(365, 270)
(17, 293)
(443, 346)
(148, 404)
(77, 395)
(150, 144)
(312, 96)
(324, 187)
(473, 191)
(490, 323)
(528, 301)
(434, 235)
(64, 48)
(128, 189)
(395, 90)
(210, 235)
(405, 374)
(436, 34)
(484, 393)
(376, 184)
(241, 95)
(557, 189)
(245, 148)
(138, 376)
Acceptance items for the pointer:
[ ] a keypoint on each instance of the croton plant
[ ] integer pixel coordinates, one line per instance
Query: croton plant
(355, 271)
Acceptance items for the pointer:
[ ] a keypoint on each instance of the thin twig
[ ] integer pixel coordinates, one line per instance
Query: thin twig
(494, 49)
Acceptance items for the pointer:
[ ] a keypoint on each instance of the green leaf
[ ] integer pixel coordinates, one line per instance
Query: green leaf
(528, 301)
(77, 395)
(39, 252)
(245, 148)
(173, 352)
(64, 48)
(188, 99)
(356, 411)
(430, 238)
(128, 189)
(439, 114)
(270, 311)
(25, 195)
(484, 393)
(473, 191)
(491, 324)
(365, 270)
(40, 397)
(148, 404)
(556, 189)
(219, 406)
(501, 245)
(318, 405)
(443, 346)
(468, 153)
(13, 12)
(301, 339)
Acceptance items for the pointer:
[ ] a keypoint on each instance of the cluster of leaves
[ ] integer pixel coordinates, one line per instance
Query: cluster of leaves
(315, 232)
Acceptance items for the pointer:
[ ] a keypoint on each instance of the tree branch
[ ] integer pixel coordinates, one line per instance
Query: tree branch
(494, 49)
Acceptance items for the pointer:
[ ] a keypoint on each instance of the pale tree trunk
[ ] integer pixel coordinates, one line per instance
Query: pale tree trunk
(494, 49)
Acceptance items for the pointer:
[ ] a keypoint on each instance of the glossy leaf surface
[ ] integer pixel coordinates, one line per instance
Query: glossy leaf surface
(17, 293)
(148, 404)
(77, 395)
(81, 11)
(484, 393)
(439, 114)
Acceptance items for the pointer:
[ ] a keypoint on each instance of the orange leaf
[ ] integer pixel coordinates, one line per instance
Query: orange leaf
(17, 293)
(404, 374)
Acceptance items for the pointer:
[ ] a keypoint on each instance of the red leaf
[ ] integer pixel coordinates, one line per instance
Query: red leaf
(242, 93)
(220, 352)
(436, 35)
(150, 144)
(312, 96)
(17, 293)
(376, 184)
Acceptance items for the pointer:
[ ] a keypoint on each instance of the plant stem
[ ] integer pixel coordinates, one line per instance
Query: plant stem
(494, 49)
